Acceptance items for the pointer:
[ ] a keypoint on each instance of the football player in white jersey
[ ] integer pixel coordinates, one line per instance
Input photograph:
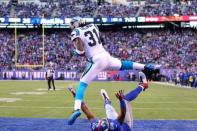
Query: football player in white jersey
(87, 41)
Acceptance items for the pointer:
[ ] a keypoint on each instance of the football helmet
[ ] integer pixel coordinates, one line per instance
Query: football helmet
(76, 22)
(100, 125)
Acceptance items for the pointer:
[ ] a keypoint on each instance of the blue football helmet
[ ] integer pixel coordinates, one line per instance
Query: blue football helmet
(100, 125)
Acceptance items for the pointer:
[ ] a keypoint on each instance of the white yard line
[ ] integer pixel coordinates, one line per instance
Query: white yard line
(93, 101)
(172, 84)
(95, 108)
(9, 99)
(28, 93)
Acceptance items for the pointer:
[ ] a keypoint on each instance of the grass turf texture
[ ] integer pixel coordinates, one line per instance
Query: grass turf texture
(158, 102)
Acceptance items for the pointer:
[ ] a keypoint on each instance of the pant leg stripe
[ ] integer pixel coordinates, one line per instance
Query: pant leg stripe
(87, 69)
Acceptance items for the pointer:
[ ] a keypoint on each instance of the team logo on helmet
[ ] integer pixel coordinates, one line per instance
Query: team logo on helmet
(100, 125)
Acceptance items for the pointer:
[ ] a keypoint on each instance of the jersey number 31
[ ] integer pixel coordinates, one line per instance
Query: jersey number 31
(92, 39)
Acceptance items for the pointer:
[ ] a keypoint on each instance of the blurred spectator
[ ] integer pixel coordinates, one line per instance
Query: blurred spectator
(195, 80)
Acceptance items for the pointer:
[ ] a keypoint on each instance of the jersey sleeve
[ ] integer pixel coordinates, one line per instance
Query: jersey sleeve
(75, 34)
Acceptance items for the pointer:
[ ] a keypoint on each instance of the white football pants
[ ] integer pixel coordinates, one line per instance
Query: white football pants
(99, 63)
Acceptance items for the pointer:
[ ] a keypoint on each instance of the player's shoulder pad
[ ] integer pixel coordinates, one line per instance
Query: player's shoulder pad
(75, 34)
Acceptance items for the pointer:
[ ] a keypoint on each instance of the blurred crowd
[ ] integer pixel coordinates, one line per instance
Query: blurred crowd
(29, 50)
(33, 10)
(7, 50)
(5, 10)
(177, 49)
(167, 8)
(108, 10)
(185, 78)
(88, 8)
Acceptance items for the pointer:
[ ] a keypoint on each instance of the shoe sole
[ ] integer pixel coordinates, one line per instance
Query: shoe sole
(104, 94)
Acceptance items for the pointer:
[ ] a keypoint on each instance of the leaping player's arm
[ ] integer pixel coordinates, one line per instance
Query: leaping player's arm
(78, 44)
(120, 96)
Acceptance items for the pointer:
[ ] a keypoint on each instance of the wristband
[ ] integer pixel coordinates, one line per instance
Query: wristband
(79, 52)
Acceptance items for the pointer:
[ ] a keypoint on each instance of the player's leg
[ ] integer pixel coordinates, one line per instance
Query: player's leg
(89, 75)
(129, 65)
(97, 64)
(109, 109)
(53, 84)
(49, 83)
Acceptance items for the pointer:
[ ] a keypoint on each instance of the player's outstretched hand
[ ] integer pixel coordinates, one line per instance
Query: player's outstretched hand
(71, 89)
(120, 94)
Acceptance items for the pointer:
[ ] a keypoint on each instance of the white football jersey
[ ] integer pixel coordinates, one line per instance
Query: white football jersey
(89, 35)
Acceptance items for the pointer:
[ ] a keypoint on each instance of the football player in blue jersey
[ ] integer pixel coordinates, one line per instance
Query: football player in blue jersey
(113, 121)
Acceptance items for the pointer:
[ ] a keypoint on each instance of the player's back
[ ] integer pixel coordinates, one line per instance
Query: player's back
(90, 37)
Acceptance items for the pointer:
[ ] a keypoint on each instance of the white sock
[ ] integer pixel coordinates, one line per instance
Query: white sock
(110, 112)
(138, 66)
(141, 87)
(77, 104)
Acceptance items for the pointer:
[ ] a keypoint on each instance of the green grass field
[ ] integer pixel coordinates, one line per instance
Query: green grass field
(158, 102)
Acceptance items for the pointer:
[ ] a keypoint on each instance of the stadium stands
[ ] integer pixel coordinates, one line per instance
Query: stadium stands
(23, 10)
(108, 10)
(171, 49)
(92, 9)
(5, 10)
(164, 47)
(166, 8)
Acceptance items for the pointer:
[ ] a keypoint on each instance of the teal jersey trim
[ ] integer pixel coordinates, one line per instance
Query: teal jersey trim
(77, 32)
(88, 67)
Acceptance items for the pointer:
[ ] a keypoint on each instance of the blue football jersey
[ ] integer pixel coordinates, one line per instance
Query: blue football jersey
(115, 125)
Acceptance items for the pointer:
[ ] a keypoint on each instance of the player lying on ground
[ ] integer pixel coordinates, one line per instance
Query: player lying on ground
(115, 122)
(88, 41)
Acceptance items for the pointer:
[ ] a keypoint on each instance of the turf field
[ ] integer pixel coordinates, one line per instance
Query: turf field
(35, 101)
(31, 99)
